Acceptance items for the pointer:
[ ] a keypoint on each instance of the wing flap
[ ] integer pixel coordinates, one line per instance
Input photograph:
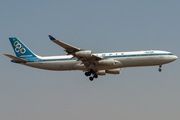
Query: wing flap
(16, 58)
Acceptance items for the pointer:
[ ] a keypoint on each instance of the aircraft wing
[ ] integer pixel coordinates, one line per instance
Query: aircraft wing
(83, 55)
(68, 48)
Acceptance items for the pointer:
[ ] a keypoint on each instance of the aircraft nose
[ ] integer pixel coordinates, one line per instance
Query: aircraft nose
(174, 57)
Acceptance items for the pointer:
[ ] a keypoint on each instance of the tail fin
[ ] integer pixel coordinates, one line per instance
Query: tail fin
(20, 49)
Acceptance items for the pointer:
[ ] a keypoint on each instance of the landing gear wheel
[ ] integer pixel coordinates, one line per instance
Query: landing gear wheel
(91, 71)
(87, 73)
(160, 69)
(91, 78)
(95, 76)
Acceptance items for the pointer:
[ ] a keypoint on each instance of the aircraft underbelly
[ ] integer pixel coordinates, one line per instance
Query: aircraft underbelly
(54, 65)
(139, 61)
(145, 61)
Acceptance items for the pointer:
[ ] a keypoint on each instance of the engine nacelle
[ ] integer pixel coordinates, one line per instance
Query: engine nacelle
(85, 53)
(101, 72)
(114, 71)
(107, 62)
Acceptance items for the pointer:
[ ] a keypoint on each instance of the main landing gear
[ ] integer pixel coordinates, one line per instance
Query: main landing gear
(89, 73)
(160, 68)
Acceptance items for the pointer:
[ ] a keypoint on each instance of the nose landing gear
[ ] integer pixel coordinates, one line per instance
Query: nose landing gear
(160, 68)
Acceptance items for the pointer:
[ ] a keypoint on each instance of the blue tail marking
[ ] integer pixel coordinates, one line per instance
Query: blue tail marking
(20, 49)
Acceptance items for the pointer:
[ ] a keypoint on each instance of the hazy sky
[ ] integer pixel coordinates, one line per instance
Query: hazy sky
(101, 26)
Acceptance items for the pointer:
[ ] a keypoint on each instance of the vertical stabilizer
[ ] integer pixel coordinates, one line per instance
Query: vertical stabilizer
(20, 49)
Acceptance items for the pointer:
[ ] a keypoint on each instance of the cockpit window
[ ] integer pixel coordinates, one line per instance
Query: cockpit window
(170, 54)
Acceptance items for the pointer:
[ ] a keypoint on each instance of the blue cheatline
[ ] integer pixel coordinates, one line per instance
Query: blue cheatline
(116, 56)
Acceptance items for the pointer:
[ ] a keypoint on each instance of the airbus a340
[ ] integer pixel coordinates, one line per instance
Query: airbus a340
(92, 64)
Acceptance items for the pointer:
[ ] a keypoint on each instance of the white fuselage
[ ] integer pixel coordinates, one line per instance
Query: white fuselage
(125, 59)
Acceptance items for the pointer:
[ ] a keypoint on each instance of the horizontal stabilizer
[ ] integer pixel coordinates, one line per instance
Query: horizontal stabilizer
(16, 58)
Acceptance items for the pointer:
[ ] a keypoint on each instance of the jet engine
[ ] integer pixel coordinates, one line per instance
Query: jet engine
(101, 72)
(85, 53)
(114, 71)
(107, 62)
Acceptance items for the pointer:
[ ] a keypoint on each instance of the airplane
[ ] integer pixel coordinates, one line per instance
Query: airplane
(84, 60)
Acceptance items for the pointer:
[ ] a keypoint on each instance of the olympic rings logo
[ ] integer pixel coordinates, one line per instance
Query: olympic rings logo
(19, 48)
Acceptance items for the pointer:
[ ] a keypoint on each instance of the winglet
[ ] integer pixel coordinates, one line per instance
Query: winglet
(51, 37)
